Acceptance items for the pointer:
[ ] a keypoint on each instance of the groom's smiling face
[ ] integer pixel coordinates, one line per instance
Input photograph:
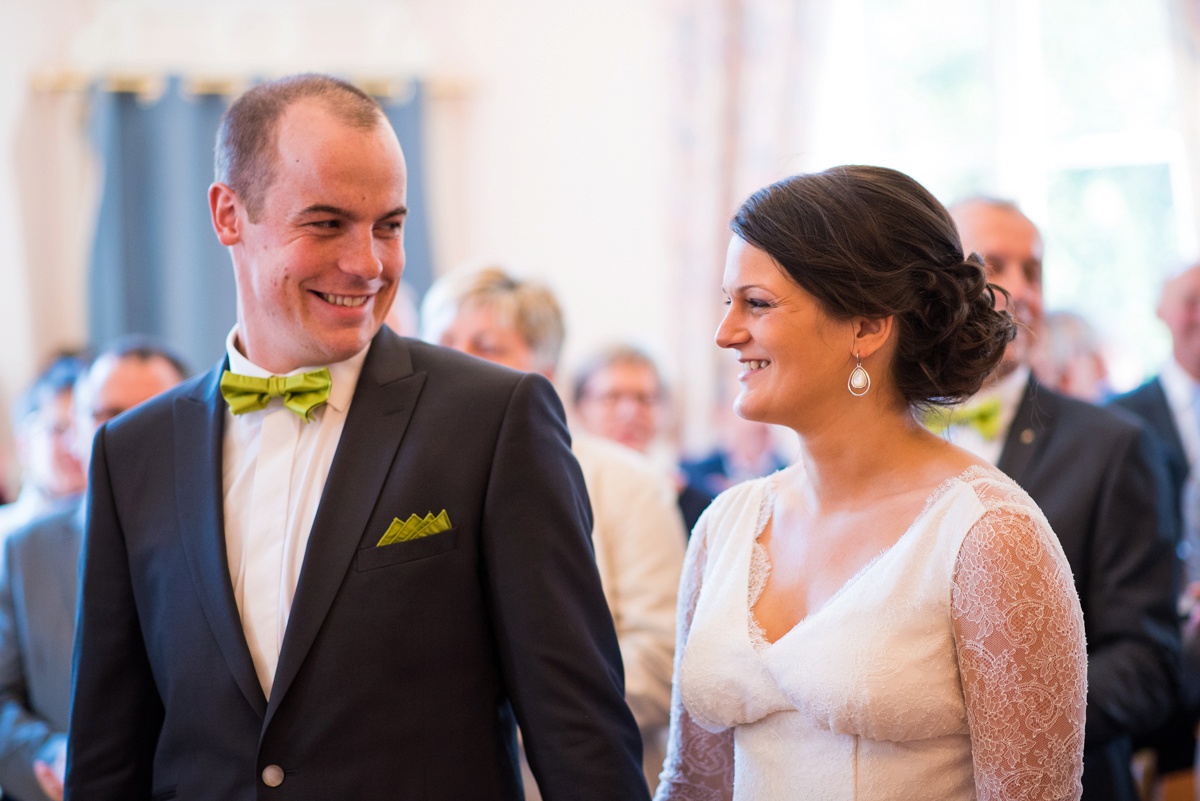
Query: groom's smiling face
(317, 266)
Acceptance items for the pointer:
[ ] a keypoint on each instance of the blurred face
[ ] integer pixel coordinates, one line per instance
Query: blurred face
(1180, 310)
(794, 358)
(317, 272)
(745, 439)
(622, 402)
(1011, 249)
(46, 443)
(485, 333)
(115, 385)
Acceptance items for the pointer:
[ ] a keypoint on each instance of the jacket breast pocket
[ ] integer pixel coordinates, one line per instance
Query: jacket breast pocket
(397, 553)
(164, 794)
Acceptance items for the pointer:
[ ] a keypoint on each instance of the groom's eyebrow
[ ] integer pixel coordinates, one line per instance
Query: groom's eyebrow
(337, 211)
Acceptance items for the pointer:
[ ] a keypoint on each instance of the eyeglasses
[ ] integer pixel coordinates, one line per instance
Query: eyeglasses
(611, 399)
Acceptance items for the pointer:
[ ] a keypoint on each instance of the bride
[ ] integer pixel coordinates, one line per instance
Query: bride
(889, 618)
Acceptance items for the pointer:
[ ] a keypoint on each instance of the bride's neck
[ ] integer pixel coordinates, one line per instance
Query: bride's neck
(857, 462)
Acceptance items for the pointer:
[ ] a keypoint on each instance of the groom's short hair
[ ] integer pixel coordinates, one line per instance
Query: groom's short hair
(245, 153)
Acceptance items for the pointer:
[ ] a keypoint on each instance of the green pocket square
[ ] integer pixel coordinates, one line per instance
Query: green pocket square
(414, 528)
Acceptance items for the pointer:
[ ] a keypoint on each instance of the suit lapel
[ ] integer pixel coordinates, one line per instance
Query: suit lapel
(1026, 435)
(383, 404)
(199, 421)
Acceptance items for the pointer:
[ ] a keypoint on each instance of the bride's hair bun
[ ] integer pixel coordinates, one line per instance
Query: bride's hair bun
(871, 241)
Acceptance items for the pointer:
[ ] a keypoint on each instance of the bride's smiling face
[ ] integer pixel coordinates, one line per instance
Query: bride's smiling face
(793, 357)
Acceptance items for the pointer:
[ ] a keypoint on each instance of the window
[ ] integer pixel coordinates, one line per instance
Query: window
(1067, 107)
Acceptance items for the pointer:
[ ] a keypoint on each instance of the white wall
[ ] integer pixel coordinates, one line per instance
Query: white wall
(44, 183)
(562, 150)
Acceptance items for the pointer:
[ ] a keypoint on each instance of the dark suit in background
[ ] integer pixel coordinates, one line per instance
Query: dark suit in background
(1149, 403)
(37, 631)
(1175, 743)
(403, 668)
(1101, 480)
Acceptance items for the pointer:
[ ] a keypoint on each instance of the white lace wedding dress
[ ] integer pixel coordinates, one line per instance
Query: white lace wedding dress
(951, 667)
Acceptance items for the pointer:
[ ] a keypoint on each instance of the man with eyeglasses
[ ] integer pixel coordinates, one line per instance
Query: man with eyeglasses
(619, 394)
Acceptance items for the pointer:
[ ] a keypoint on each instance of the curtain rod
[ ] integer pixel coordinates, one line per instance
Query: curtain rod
(151, 85)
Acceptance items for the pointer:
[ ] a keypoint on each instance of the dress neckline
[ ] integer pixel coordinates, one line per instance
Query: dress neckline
(760, 560)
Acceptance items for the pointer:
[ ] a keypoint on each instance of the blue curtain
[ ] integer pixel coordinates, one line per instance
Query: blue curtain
(406, 117)
(156, 265)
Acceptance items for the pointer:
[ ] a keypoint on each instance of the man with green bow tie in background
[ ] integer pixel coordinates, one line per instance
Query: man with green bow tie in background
(341, 564)
(1101, 480)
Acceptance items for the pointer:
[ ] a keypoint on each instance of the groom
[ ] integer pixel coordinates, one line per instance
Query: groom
(351, 582)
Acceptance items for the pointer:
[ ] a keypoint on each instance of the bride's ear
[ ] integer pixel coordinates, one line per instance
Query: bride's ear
(870, 334)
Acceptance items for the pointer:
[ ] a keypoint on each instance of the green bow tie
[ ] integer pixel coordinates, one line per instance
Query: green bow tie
(984, 417)
(301, 393)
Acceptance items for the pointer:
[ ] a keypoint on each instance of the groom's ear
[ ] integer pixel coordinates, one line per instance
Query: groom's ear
(227, 213)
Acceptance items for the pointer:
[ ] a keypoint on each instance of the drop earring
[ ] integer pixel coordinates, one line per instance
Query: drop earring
(860, 381)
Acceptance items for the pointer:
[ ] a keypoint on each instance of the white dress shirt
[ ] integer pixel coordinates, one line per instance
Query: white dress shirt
(274, 466)
(1183, 396)
(1009, 391)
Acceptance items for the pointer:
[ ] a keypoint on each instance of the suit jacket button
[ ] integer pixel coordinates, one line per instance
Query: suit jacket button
(1027, 436)
(272, 775)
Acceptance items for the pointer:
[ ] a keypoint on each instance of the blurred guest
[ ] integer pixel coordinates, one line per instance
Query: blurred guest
(1100, 479)
(38, 585)
(50, 470)
(746, 449)
(637, 532)
(1169, 404)
(620, 395)
(1069, 359)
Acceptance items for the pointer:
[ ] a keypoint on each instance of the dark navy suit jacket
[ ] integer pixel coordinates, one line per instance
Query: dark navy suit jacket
(404, 667)
(1176, 741)
(1149, 403)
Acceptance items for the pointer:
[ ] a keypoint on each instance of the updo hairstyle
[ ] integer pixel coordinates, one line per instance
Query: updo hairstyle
(871, 241)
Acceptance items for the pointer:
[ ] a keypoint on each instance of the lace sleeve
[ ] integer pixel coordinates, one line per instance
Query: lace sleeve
(699, 764)
(1018, 632)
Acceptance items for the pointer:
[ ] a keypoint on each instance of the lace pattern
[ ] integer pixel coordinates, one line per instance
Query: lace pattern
(760, 568)
(1018, 633)
(1018, 664)
(760, 573)
(699, 763)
